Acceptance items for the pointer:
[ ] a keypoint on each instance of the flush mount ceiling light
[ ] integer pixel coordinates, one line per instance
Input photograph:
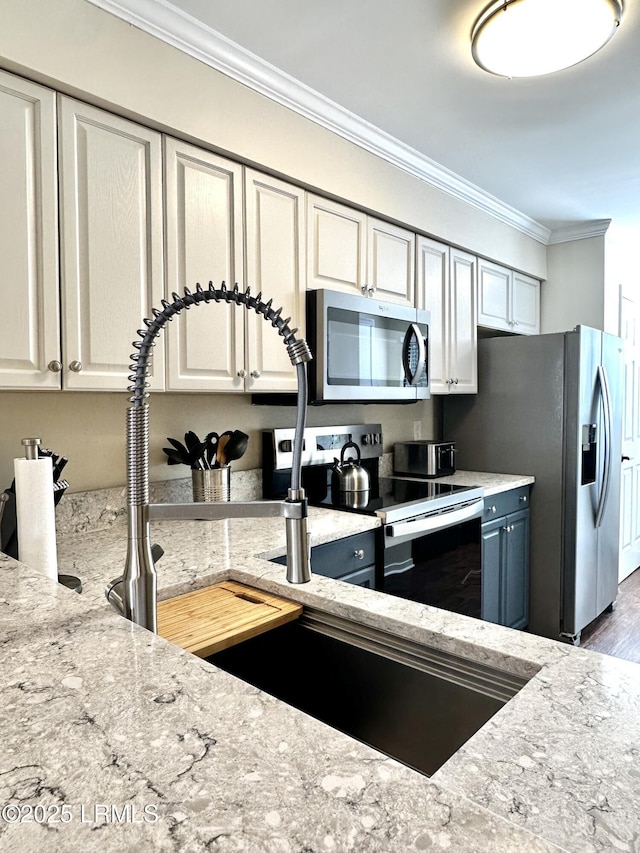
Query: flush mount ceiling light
(526, 38)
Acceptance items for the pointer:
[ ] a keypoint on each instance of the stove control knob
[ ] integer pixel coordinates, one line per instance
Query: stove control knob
(366, 438)
(377, 438)
(286, 446)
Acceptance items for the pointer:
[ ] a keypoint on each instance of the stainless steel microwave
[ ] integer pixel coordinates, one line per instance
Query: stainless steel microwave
(366, 350)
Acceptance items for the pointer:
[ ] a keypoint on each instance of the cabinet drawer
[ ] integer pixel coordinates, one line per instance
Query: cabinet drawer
(344, 556)
(496, 506)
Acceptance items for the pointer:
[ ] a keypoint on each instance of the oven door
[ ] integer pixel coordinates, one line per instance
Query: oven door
(437, 560)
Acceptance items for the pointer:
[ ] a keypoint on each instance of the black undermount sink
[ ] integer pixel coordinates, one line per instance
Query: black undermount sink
(411, 702)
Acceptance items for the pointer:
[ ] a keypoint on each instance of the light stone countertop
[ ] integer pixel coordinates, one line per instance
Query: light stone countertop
(98, 711)
(492, 484)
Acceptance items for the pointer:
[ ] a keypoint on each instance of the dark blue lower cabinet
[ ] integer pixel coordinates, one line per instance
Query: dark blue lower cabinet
(505, 570)
(352, 559)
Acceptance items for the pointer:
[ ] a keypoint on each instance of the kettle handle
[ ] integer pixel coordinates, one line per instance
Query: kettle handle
(344, 447)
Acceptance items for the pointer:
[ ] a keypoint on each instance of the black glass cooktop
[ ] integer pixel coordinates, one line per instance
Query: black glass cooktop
(391, 493)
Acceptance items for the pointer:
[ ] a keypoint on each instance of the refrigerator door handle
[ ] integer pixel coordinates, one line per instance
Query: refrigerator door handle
(603, 382)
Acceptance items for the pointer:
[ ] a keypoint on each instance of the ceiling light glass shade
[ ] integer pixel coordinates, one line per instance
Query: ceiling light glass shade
(526, 38)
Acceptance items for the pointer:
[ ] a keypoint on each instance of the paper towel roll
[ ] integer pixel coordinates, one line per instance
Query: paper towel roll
(35, 515)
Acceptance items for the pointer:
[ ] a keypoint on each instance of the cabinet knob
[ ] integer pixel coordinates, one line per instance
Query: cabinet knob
(493, 509)
(359, 554)
(55, 366)
(368, 289)
(75, 366)
(524, 499)
(242, 373)
(255, 374)
(455, 381)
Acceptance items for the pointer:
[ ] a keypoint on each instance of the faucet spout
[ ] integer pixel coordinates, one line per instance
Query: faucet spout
(135, 593)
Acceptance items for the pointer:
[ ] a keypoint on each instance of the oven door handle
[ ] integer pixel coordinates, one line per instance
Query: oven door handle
(432, 523)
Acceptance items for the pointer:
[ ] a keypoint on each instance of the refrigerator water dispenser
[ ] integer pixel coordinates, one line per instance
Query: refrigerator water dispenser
(589, 454)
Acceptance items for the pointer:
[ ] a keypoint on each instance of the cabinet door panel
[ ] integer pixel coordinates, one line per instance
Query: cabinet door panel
(492, 559)
(29, 320)
(390, 262)
(515, 582)
(275, 241)
(336, 240)
(526, 304)
(463, 325)
(494, 286)
(433, 296)
(111, 237)
(204, 243)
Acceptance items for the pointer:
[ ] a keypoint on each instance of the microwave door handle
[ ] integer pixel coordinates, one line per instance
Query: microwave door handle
(414, 377)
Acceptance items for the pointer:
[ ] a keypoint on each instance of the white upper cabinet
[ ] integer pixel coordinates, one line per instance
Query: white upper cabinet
(353, 252)
(203, 198)
(507, 301)
(463, 323)
(337, 246)
(275, 243)
(526, 304)
(446, 286)
(390, 262)
(29, 320)
(111, 244)
(219, 347)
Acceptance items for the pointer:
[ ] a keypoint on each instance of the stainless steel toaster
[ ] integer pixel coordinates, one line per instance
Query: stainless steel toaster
(424, 458)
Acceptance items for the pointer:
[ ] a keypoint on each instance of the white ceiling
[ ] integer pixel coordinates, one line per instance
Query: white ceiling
(561, 149)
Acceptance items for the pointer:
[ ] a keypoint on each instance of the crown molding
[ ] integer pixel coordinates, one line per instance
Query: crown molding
(580, 231)
(161, 19)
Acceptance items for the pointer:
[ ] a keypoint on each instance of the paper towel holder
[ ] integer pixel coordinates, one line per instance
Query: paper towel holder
(31, 446)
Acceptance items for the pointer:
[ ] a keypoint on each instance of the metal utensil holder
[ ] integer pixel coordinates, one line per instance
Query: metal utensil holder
(211, 484)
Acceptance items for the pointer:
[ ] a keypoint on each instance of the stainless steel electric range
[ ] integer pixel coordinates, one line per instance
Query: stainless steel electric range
(429, 547)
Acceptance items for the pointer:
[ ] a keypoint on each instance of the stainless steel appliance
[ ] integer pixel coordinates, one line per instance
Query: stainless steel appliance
(424, 458)
(550, 406)
(365, 349)
(429, 547)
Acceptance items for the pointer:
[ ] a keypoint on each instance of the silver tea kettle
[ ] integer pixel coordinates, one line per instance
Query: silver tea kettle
(349, 475)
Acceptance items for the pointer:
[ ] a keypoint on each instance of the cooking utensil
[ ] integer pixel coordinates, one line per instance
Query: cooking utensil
(211, 442)
(221, 456)
(178, 453)
(174, 457)
(236, 446)
(348, 475)
(196, 450)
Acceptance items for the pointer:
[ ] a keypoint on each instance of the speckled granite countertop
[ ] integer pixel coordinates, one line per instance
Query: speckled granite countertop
(492, 484)
(141, 746)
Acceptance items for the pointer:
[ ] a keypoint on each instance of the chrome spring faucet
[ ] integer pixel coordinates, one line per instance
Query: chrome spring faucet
(134, 594)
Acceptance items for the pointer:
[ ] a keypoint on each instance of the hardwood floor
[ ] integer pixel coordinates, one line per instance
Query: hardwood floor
(618, 633)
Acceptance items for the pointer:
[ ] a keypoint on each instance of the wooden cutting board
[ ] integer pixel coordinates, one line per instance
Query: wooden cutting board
(216, 617)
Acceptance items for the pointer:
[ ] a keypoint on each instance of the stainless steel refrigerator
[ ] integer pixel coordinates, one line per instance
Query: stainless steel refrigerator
(551, 406)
